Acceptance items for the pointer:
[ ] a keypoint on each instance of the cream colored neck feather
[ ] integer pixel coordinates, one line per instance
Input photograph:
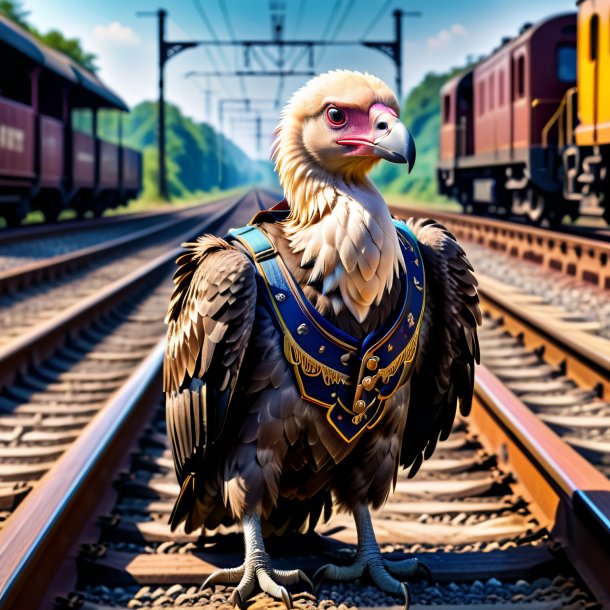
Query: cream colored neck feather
(346, 230)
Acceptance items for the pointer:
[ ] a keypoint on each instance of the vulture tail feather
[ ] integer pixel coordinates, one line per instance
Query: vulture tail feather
(185, 502)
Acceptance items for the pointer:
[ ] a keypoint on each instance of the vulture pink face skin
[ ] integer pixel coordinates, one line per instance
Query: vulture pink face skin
(342, 132)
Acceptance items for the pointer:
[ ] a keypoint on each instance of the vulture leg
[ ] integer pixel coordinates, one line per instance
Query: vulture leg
(256, 570)
(384, 573)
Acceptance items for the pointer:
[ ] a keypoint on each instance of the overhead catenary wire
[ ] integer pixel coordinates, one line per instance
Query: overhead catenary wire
(300, 13)
(208, 24)
(340, 22)
(207, 51)
(231, 31)
(343, 18)
(375, 20)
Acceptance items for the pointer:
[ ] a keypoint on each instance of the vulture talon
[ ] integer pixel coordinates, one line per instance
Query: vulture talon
(236, 599)
(405, 568)
(256, 572)
(407, 593)
(369, 559)
(286, 598)
(319, 576)
(424, 570)
(229, 576)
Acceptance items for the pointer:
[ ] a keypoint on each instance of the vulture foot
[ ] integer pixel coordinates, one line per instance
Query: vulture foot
(387, 575)
(256, 571)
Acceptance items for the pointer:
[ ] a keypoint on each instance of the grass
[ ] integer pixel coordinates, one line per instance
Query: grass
(158, 205)
(439, 204)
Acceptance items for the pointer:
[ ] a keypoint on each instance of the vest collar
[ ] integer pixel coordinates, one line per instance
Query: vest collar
(352, 378)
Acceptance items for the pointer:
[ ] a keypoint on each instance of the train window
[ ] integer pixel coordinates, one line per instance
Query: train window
(82, 120)
(593, 37)
(482, 98)
(501, 88)
(520, 77)
(491, 92)
(15, 83)
(566, 63)
(446, 108)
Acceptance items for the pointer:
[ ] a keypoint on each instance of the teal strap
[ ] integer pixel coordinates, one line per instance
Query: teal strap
(258, 243)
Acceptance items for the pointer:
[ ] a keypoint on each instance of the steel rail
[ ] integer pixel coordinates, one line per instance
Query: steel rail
(41, 341)
(51, 268)
(586, 357)
(43, 527)
(51, 516)
(36, 231)
(583, 257)
(570, 496)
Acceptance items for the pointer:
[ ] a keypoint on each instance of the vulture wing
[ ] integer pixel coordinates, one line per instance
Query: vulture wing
(448, 346)
(209, 322)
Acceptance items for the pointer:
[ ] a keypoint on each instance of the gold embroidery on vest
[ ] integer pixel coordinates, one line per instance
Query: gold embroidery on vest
(308, 365)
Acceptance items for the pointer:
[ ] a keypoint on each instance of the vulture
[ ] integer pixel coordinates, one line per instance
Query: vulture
(314, 352)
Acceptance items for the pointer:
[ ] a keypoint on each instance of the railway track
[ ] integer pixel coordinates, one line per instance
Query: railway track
(547, 334)
(583, 258)
(44, 300)
(505, 514)
(23, 247)
(60, 378)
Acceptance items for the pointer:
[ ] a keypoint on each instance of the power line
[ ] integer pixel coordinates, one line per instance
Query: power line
(331, 18)
(227, 20)
(300, 14)
(346, 11)
(208, 24)
(339, 24)
(225, 14)
(376, 18)
(207, 51)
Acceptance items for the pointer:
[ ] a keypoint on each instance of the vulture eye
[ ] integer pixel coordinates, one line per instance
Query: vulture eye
(335, 116)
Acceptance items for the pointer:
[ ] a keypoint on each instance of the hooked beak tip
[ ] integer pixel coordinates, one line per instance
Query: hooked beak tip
(397, 146)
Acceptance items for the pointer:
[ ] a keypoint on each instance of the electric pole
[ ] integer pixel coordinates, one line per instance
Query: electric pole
(167, 50)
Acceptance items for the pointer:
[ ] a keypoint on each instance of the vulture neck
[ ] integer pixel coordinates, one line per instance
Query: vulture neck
(343, 230)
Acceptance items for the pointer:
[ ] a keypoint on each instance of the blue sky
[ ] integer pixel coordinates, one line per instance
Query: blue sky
(445, 34)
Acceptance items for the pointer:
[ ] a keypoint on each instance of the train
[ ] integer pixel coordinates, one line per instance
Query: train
(51, 156)
(526, 130)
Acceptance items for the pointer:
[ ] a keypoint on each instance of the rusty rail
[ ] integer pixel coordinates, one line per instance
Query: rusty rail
(571, 497)
(59, 505)
(582, 257)
(43, 340)
(43, 528)
(19, 278)
(36, 231)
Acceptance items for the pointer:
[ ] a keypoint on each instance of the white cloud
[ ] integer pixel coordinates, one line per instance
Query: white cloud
(116, 33)
(444, 37)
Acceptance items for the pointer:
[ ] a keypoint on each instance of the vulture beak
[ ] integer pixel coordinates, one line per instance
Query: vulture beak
(396, 146)
(386, 137)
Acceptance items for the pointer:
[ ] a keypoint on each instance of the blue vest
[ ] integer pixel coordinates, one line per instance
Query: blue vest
(351, 378)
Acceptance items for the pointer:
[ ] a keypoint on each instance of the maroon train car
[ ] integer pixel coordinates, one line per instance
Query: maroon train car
(493, 117)
(48, 161)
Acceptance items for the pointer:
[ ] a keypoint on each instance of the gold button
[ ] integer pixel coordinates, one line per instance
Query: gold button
(345, 359)
(372, 363)
(368, 383)
(359, 406)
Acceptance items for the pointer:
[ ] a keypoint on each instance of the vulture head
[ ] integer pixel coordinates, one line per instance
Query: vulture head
(338, 125)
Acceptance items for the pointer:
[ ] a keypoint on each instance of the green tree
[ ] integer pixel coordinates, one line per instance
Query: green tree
(192, 151)
(12, 9)
(72, 47)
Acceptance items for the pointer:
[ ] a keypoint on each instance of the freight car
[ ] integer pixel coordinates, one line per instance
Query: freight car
(51, 157)
(493, 155)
